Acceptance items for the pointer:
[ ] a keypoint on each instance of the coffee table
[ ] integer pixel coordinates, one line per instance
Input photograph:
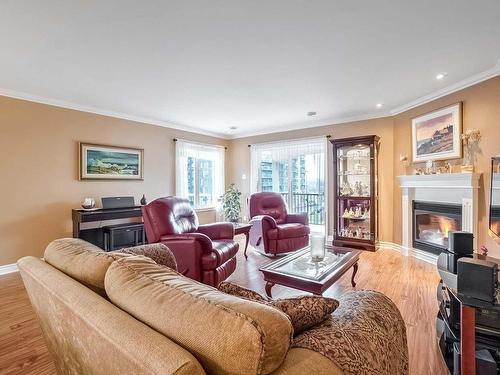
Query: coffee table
(298, 271)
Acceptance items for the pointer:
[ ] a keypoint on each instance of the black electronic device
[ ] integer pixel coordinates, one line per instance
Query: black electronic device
(477, 278)
(117, 202)
(461, 243)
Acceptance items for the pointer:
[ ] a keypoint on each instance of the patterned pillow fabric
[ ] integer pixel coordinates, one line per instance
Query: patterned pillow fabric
(304, 312)
(160, 253)
(239, 291)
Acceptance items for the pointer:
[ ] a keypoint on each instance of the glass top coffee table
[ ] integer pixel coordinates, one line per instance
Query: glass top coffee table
(299, 271)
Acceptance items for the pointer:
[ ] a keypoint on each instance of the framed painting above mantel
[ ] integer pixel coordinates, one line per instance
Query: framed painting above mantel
(436, 135)
(104, 162)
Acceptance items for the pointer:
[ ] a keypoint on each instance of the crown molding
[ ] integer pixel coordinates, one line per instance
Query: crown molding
(328, 122)
(105, 112)
(470, 81)
(473, 80)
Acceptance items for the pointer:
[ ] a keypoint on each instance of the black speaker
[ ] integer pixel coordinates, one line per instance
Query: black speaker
(461, 243)
(477, 278)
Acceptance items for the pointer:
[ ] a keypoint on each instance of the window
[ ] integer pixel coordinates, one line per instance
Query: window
(296, 170)
(199, 173)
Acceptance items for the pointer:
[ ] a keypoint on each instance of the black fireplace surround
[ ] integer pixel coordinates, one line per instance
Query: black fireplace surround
(431, 223)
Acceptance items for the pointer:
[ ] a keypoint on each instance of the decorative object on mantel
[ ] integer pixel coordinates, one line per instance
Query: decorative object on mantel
(231, 204)
(436, 135)
(484, 250)
(88, 203)
(143, 200)
(430, 168)
(471, 139)
(404, 160)
(103, 162)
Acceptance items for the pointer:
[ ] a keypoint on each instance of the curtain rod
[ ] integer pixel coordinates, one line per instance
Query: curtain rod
(199, 143)
(295, 139)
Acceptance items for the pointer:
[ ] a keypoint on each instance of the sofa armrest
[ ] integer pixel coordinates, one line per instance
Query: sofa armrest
(217, 231)
(301, 218)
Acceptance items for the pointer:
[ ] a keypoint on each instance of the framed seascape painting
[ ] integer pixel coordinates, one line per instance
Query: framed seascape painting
(436, 135)
(102, 162)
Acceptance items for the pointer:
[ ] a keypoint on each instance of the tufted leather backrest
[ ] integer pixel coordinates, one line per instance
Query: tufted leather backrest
(169, 215)
(268, 203)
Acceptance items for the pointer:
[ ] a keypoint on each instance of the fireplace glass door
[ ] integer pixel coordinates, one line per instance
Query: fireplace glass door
(432, 222)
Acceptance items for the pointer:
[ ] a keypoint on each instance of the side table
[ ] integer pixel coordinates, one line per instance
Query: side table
(243, 228)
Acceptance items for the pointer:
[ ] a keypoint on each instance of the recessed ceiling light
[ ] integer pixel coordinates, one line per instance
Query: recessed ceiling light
(380, 105)
(440, 76)
(311, 113)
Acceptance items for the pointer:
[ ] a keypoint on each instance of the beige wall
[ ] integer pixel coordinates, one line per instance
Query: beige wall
(481, 110)
(39, 169)
(239, 161)
(39, 159)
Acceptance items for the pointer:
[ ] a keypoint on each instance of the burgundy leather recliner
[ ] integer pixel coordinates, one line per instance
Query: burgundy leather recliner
(205, 253)
(274, 230)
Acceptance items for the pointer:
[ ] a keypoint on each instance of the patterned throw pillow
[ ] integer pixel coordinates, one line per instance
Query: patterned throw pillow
(304, 312)
(160, 253)
(239, 291)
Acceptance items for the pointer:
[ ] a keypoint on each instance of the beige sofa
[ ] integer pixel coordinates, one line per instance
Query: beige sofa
(105, 313)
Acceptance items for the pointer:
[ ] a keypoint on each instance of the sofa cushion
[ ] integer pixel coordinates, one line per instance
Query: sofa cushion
(82, 261)
(200, 318)
(291, 230)
(304, 311)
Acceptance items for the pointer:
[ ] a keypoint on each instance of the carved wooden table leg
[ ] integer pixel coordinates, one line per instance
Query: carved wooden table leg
(269, 285)
(354, 271)
(247, 236)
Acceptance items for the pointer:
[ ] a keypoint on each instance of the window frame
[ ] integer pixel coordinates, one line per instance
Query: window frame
(199, 152)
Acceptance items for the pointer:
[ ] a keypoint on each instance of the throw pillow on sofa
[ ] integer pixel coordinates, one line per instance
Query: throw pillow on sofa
(304, 311)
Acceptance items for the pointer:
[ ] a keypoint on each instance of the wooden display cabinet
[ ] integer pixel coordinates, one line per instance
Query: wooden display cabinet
(355, 203)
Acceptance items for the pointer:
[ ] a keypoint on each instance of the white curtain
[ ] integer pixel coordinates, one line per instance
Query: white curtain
(282, 151)
(199, 151)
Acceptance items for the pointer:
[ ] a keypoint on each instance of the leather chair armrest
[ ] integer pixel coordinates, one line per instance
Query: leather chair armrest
(217, 231)
(203, 240)
(266, 220)
(301, 218)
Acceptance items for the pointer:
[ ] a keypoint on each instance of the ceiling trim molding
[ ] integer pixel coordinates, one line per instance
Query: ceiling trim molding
(103, 112)
(473, 80)
(470, 81)
(327, 122)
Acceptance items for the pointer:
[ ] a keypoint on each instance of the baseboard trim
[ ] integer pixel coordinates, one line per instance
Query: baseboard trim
(8, 268)
(415, 253)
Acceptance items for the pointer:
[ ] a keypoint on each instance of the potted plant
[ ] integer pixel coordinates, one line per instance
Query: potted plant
(231, 204)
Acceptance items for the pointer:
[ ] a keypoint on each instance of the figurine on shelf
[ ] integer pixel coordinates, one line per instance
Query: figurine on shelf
(351, 212)
(346, 214)
(346, 190)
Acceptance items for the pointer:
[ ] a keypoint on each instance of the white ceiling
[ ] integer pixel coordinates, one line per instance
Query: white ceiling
(259, 65)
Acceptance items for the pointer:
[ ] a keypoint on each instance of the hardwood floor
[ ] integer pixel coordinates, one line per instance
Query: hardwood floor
(410, 283)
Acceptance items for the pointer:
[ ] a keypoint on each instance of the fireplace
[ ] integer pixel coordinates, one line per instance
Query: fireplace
(431, 224)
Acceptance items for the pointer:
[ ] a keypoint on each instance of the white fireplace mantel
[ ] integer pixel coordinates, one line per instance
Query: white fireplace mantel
(452, 188)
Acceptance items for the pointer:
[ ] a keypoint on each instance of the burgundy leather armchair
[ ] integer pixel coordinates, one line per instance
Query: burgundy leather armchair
(205, 253)
(274, 230)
